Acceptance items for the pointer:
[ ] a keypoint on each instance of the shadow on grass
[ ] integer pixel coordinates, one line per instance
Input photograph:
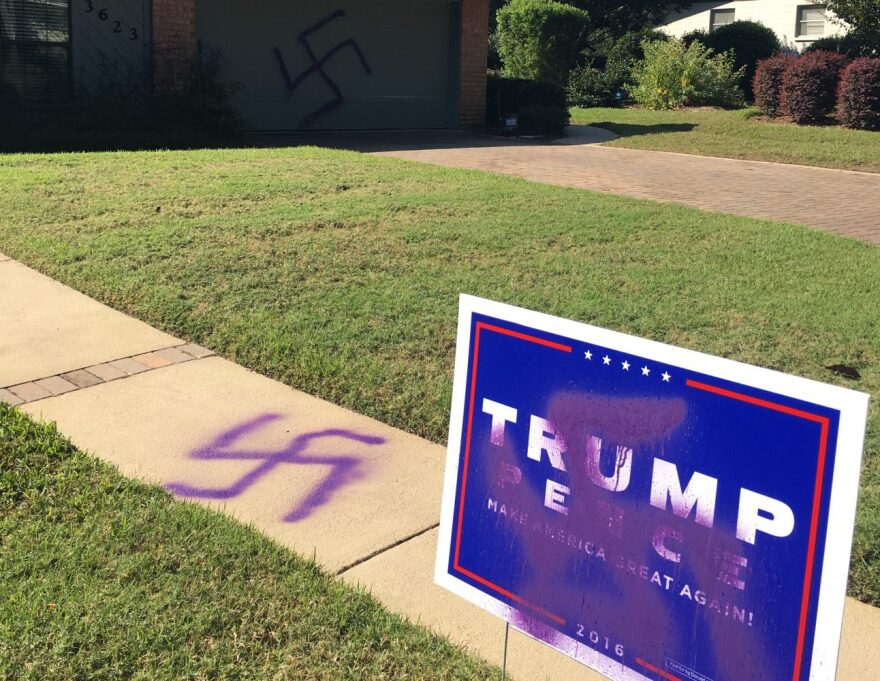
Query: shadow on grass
(60, 139)
(28, 127)
(633, 130)
(68, 129)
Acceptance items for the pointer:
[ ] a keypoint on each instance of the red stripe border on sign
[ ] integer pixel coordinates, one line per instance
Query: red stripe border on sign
(480, 326)
(824, 422)
(653, 668)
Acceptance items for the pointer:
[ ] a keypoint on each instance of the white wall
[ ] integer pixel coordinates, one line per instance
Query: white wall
(779, 15)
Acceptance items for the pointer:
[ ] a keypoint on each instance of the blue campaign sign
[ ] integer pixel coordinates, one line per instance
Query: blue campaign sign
(653, 512)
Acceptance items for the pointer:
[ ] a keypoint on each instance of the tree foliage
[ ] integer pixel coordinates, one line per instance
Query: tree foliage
(617, 17)
(861, 15)
(540, 39)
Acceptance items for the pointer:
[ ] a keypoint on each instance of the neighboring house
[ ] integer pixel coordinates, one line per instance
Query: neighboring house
(299, 64)
(797, 23)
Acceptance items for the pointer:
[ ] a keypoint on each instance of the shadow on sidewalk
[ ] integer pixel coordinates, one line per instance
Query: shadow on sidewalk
(632, 129)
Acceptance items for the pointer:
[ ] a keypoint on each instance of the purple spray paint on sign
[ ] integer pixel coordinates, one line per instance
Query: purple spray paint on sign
(595, 535)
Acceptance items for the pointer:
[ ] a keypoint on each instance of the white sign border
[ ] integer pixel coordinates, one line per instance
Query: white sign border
(853, 408)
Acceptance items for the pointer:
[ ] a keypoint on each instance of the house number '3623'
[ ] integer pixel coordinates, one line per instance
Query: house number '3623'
(104, 15)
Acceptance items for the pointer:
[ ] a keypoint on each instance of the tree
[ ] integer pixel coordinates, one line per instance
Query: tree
(616, 17)
(862, 15)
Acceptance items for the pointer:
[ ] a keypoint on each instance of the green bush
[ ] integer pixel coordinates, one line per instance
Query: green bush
(629, 48)
(672, 75)
(122, 113)
(858, 97)
(205, 100)
(588, 86)
(543, 119)
(623, 56)
(540, 39)
(750, 41)
(512, 95)
(493, 59)
(854, 44)
(610, 71)
(698, 35)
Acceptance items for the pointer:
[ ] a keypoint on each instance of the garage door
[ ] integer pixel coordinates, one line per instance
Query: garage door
(310, 64)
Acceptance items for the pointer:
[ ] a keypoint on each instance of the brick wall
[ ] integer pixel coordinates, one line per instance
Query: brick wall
(174, 42)
(474, 51)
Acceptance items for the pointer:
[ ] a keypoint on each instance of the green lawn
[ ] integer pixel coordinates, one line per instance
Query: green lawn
(105, 578)
(737, 134)
(338, 273)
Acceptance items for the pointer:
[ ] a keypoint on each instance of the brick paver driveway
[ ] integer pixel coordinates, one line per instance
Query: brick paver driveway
(839, 201)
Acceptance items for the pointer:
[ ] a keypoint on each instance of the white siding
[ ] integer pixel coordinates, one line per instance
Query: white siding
(779, 15)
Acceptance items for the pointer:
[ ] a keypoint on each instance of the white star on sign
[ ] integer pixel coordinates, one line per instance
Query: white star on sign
(606, 360)
(625, 365)
(666, 376)
(645, 371)
(588, 354)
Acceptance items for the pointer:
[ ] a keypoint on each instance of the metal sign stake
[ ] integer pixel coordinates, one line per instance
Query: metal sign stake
(504, 657)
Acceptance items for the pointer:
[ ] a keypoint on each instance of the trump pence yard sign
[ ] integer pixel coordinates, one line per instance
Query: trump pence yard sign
(653, 512)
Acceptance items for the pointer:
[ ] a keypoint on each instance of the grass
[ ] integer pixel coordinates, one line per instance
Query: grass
(338, 273)
(102, 577)
(737, 134)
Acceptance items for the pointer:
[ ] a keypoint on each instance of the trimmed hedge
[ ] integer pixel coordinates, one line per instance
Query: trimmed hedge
(767, 83)
(858, 95)
(535, 98)
(544, 119)
(809, 86)
(540, 39)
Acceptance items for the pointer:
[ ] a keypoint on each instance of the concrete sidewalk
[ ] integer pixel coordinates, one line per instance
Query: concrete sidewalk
(358, 495)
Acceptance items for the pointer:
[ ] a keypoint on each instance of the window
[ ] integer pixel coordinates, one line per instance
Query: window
(34, 48)
(720, 17)
(810, 20)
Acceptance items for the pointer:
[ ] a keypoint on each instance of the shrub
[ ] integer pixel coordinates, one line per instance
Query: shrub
(854, 44)
(629, 48)
(767, 83)
(672, 75)
(205, 100)
(623, 56)
(493, 59)
(599, 82)
(512, 95)
(118, 112)
(751, 42)
(540, 39)
(588, 86)
(858, 96)
(698, 35)
(541, 118)
(809, 86)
